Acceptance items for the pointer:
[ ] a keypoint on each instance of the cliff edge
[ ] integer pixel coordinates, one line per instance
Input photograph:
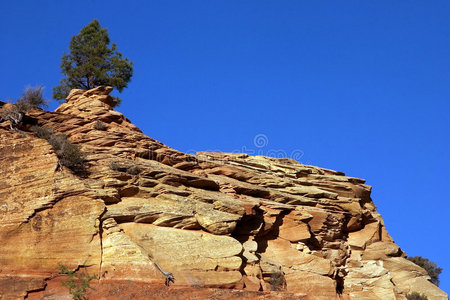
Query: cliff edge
(226, 225)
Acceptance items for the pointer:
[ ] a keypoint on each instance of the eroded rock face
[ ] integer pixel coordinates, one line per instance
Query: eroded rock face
(226, 225)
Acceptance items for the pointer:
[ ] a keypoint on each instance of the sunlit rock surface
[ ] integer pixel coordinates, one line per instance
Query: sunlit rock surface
(226, 225)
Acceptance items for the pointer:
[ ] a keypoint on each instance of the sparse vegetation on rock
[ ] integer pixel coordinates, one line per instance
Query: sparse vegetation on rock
(43, 132)
(69, 154)
(30, 99)
(33, 97)
(131, 169)
(99, 125)
(432, 269)
(10, 112)
(114, 165)
(277, 281)
(416, 296)
(77, 284)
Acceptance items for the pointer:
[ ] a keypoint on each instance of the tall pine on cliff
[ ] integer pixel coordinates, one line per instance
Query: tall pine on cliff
(91, 62)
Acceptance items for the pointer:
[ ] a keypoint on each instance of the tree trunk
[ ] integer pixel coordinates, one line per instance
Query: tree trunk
(91, 82)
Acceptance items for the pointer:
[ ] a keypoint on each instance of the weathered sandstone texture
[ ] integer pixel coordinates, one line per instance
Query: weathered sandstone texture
(226, 225)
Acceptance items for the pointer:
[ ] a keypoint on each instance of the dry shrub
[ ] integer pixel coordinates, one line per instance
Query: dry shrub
(99, 125)
(31, 98)
(133, 170)
(42, 132)
(14, 112)
(129, 168)
(115, 166)
(10, 112)
(69, 155)
(416, 296)
(432, 269)
(277, 281)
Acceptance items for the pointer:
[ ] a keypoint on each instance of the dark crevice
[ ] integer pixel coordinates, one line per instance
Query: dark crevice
(41, 289)
(248, 224)
(339, 284)
(313, 243)
(253, 225)
(50, 204)
(274, 231)
(100, 233)
(123, 219)
(245, 228)
(37, 210)
(254, 192)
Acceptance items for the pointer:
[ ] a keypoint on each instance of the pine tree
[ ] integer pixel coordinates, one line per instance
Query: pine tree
(91, 62)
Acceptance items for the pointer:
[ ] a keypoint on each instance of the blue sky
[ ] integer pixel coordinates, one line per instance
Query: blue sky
(356, 86)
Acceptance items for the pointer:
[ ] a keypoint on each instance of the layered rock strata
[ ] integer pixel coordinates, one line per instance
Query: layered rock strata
(226, 225)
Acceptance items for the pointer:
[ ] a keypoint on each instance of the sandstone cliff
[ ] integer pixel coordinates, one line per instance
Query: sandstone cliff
(226, 225)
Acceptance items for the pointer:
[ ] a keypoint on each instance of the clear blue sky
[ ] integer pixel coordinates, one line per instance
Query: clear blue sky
(358, 86)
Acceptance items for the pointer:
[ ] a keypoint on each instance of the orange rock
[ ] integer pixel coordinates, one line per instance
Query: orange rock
(225, 224)
(293, 230)
(313, 285)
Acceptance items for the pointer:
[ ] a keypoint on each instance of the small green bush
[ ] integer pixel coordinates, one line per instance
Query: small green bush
(99, 125)
(124, 167)
(416, 296)
(42, 132)
(133, 170)
(277, 281)
(432, 269)
(115, 166)
(77, 284)
(69, 155)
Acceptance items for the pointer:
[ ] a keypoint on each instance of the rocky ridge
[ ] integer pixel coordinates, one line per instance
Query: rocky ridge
(226, 225)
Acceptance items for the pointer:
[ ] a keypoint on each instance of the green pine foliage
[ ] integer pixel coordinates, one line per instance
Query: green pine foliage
(91, 62)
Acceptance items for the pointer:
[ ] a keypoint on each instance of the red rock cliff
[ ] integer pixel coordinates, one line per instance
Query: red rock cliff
(226, 225)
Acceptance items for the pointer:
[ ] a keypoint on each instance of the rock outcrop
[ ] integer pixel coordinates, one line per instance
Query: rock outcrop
(226, 225)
